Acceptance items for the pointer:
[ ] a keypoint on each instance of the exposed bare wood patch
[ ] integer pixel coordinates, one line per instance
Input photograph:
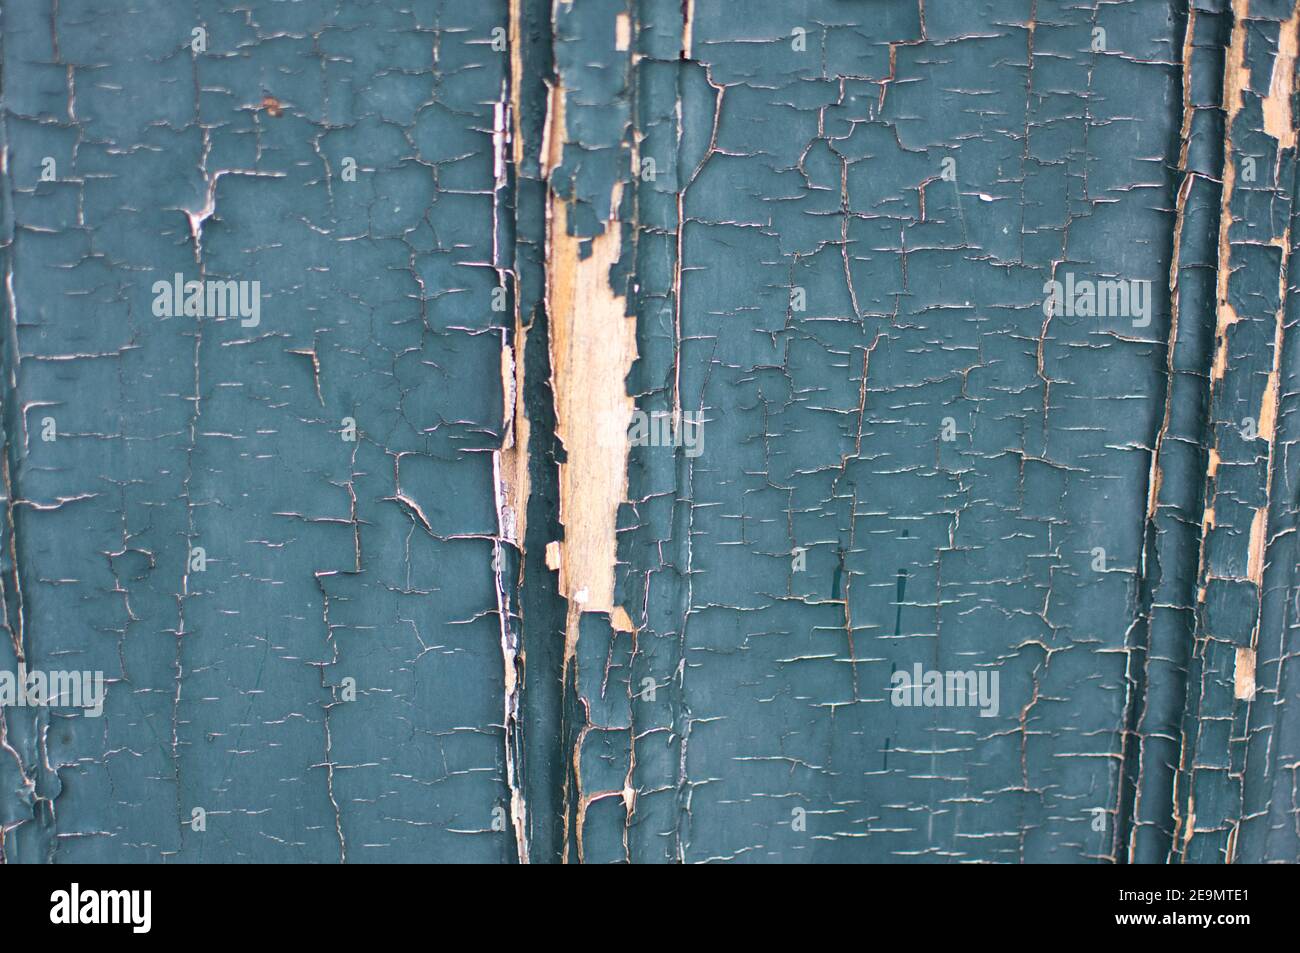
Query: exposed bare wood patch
(514, 453)
(1236, 77)
(1258, 542)
(1244, 677)
(1278, 122)
(553, 131)
(620, 621)
(593, 345)
(516, 79)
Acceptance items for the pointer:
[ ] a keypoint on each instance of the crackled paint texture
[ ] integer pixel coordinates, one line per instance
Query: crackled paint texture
(823, 226)
(326, 559)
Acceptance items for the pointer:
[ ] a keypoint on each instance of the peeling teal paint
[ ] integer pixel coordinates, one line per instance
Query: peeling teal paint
(839, 223)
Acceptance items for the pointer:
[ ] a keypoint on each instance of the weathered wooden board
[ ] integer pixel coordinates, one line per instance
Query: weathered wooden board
(652, 431)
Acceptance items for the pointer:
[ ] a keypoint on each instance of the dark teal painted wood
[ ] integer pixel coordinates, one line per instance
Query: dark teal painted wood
(838, 258)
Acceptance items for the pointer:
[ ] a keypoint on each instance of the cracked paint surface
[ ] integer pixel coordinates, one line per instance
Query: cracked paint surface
(483, 230)
(327, 559)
